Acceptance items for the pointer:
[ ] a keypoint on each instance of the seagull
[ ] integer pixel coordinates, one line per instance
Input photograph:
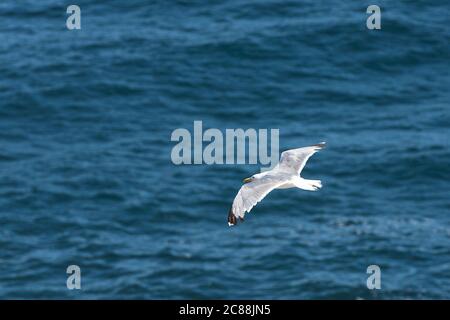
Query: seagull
(286, 174)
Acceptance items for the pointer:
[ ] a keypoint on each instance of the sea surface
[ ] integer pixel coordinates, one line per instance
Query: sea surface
(86, 176)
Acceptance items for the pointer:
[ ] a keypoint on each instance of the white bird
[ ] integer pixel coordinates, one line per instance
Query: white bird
(286, 174)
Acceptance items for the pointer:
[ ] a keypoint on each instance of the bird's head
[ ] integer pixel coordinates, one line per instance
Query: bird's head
(254, 177)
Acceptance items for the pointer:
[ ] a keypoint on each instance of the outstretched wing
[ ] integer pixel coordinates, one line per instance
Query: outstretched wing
(252, 193)
(294, 160)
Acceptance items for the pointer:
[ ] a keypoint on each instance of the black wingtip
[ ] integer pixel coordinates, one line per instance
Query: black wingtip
(232, 218)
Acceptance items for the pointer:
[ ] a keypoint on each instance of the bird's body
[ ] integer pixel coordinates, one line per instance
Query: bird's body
(286, 174)
(299, 182)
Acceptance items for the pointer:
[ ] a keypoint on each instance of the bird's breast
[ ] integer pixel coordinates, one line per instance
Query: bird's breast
(286, 185)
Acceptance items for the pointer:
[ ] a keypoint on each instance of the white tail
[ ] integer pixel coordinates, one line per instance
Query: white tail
(311, 185)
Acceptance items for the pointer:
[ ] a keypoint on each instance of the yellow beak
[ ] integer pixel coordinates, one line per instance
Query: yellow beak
(247, 180)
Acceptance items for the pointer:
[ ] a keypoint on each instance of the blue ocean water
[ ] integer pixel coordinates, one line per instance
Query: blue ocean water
(86, 176)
